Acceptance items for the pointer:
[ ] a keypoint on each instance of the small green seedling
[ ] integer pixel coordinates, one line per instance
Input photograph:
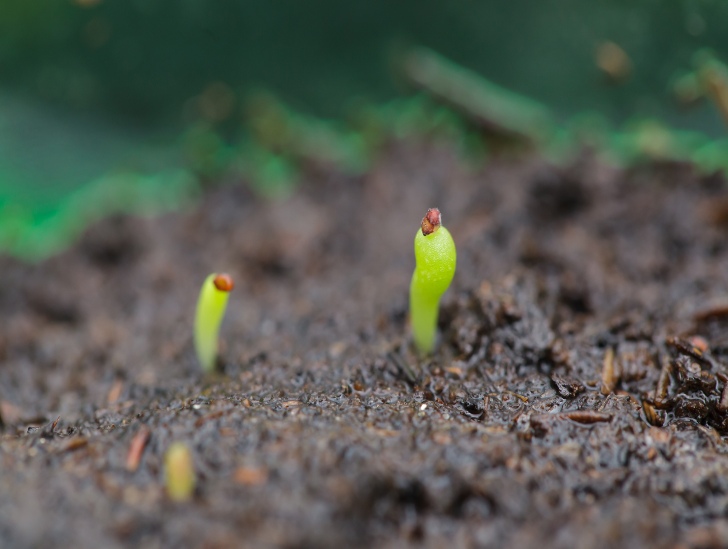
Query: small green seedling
(435, 259)
(179, 472)
(211, 307)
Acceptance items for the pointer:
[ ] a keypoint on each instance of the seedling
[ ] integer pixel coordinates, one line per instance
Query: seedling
(435, 259)
(211, 307)
(179, 472)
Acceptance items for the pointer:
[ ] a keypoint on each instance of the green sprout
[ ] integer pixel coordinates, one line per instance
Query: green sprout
(435, 259)
(211, 307)
(179, 472)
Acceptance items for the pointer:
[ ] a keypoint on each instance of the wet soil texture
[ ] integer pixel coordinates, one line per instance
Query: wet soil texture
(577, 397)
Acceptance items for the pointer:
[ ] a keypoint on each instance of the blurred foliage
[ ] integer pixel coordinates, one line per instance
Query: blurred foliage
(153, 59)
(158, 96)
(34, 234)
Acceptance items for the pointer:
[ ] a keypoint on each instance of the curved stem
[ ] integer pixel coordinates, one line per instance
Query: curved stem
(211, 307)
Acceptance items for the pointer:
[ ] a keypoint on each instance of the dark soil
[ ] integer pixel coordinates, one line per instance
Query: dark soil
(575, 400)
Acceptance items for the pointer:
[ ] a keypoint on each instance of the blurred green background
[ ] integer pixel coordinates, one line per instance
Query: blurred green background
(117, 105)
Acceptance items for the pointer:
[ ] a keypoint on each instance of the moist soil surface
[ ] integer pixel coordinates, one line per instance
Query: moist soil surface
(575, 399)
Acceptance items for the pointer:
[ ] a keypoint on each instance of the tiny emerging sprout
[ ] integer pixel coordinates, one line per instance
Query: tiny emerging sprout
(211, 307)
(435, 259)
(179, 472)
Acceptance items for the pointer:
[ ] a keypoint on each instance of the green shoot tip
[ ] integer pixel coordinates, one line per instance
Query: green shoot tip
(211, 307)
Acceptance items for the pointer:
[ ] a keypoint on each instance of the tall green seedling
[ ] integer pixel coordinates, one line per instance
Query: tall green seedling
(211, 307)
(435, 259)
